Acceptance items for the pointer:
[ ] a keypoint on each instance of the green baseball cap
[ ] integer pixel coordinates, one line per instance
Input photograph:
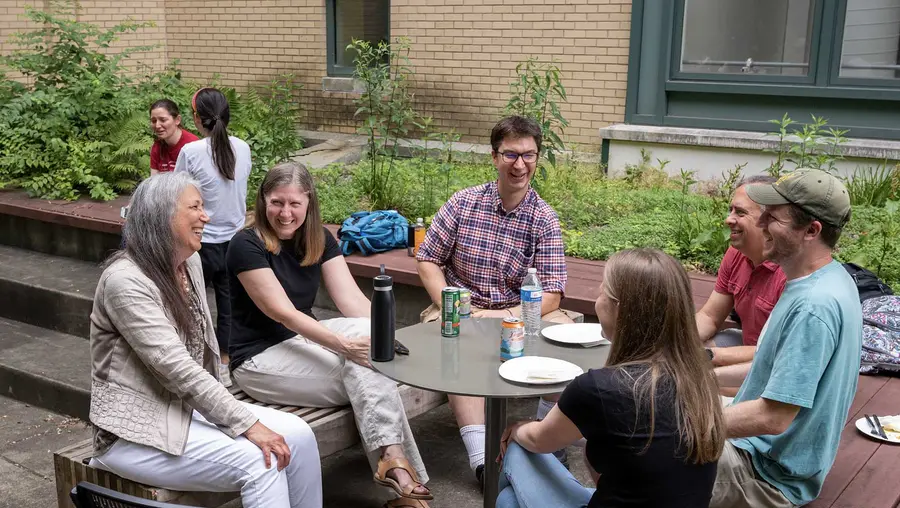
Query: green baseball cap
(816, 192)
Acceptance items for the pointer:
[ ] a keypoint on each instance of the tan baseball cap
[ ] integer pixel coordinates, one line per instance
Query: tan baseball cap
(816, 192)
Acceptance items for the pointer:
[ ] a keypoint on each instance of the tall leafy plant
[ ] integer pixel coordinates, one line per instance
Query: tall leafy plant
(812, 145)
(386, 107)
(702, 231)
(536, 93)
(714, 236)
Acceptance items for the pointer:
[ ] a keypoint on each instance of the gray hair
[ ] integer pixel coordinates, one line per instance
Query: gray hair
(150, 242)
(756, 179)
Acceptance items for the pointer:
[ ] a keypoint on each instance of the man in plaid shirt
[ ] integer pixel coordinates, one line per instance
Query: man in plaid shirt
(485, 238)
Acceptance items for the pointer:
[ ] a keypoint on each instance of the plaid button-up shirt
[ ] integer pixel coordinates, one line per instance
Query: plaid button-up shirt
(488, 250)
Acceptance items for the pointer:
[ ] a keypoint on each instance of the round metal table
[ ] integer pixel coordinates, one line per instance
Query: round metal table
(468, 365)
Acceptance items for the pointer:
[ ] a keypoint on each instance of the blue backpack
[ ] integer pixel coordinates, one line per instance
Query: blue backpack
(371, 232)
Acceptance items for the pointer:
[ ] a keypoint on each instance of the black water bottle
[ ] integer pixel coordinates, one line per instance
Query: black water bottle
(383, 326)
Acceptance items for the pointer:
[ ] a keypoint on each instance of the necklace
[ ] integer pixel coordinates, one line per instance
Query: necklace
(185, 283)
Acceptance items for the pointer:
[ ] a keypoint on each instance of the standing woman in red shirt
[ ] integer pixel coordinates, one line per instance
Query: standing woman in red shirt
(165, 120)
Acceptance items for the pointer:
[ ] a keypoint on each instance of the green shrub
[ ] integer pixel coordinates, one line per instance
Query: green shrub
(600, 216)
(870, 240)
(55, 129)
(80, 124)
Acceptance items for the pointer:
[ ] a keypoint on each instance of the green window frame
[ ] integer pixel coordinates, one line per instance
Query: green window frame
(334, 68)
(660, 93)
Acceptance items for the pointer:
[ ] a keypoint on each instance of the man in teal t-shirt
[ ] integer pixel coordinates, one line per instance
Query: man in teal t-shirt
(786, 420)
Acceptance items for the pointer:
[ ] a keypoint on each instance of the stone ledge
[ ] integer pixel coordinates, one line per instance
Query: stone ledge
(406, 146)
(342, 85)
(879, 149)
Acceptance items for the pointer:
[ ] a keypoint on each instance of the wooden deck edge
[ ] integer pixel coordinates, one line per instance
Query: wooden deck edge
(93, 216)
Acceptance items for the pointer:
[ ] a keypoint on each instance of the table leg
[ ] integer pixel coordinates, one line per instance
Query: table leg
(496, 424)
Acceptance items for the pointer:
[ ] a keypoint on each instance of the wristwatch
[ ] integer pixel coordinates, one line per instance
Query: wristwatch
(710, 353)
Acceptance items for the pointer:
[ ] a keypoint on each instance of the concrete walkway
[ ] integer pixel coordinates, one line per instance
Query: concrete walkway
(29, 435)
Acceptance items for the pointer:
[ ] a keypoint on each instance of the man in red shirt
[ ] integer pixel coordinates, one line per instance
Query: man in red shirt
(746, 283)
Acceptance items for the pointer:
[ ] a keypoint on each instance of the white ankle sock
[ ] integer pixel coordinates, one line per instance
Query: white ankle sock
(473, 438)
(544, 408)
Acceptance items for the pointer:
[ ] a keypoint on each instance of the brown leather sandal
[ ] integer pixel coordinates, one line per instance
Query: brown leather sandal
(405, 502)
(381, 478)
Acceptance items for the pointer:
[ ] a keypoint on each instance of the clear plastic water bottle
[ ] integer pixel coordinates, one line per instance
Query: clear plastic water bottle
(531, 295)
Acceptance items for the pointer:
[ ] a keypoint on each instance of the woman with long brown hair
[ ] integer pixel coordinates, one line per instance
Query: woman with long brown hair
(282, 354)
(651, 418)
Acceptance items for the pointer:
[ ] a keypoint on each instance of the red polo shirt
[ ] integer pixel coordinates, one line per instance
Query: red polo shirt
(755, 290)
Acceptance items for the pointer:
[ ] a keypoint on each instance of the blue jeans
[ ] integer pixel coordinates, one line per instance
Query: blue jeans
(531, 480)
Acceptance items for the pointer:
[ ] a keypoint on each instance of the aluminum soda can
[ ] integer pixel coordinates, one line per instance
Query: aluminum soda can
(450, 312)
(465, 303)
(512, 339)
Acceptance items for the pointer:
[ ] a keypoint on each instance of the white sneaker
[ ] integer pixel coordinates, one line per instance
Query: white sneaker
(225, 375)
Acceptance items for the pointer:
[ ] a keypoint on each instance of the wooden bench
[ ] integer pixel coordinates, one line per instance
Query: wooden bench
(334, 427)
(866, 472)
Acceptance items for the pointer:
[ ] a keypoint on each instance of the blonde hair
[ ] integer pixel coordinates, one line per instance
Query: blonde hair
(310, 238)
(656, 327)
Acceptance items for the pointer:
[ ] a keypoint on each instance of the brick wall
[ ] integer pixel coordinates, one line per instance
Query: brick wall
(463, 51)
(12, 20)
(105, 14)
(248, 42)
(108, 13)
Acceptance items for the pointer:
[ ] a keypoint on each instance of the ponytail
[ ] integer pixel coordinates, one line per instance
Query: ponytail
(222, 152)
(212, 108)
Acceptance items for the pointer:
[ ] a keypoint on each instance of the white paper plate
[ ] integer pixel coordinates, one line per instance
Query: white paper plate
(583, 334)
(893, 437)
(539, 370)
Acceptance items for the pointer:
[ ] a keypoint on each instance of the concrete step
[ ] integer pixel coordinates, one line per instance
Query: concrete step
(52, 370)
(48, 291)
(45, 368)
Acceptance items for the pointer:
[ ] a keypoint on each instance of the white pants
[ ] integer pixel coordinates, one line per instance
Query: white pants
(213, 462)
(299, 372)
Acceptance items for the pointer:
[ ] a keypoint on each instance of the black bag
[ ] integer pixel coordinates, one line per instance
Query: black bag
(867, 283)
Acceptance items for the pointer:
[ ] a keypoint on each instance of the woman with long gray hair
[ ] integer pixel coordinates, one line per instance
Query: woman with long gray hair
(159, 414)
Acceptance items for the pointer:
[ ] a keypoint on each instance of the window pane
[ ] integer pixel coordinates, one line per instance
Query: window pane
(747, 36)
(359, 19)
(871, 40)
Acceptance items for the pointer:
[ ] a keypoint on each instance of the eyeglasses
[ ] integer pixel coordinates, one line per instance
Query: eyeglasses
(512, 157)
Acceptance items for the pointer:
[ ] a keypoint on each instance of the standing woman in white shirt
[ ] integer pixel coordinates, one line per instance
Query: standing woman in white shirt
(221, 163)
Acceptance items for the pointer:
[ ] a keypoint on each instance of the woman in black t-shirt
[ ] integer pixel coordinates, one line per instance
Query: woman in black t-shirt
(280, 353)
(651, 418)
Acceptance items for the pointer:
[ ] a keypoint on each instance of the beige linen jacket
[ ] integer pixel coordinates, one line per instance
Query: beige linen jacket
(144, 383)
